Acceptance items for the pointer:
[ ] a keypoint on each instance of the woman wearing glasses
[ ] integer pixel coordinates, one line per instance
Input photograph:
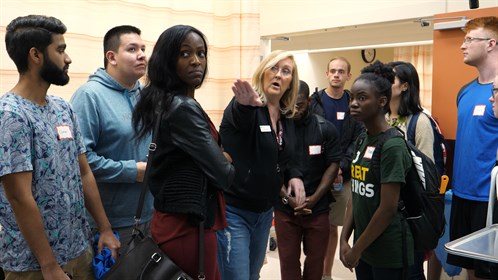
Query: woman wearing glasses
(257, 131)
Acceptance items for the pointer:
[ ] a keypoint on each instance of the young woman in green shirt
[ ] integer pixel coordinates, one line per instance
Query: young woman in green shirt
(373, 214)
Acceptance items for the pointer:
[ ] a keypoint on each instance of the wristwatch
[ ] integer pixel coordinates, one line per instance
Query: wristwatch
(285, 200)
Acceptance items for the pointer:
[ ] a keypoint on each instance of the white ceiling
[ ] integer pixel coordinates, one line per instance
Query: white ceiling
(387, 34)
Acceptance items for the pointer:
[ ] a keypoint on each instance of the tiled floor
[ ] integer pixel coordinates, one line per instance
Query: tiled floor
(271, 270)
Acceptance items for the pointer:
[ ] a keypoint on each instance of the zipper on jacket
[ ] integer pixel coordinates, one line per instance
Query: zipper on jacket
(274, 138)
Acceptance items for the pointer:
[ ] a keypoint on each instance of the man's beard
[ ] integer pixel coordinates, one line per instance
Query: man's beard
(52, 74)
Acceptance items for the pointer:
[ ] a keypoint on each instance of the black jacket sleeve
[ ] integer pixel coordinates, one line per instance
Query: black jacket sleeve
(239, 116)
(190, 132)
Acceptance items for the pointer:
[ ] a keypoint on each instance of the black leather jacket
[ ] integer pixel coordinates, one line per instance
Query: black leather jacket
(188, 167)
(351, 129)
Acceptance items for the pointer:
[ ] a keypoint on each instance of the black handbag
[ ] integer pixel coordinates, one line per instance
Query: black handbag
(144, 259)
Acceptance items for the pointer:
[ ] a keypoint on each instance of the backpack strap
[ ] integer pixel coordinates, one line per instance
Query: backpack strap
(375, 162)
(319, 122)
(439, 147)
(359, 140)
(404, 249)
(410, 130)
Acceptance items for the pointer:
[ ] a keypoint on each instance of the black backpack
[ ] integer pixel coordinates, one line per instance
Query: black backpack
(420, 201)
(439, 142)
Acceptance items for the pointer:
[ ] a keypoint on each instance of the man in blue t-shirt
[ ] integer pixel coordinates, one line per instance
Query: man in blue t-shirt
(476, 140)
(332, 103)
(45, 180)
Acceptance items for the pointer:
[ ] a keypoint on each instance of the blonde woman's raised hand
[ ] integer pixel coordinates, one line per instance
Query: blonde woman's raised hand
(245, 94)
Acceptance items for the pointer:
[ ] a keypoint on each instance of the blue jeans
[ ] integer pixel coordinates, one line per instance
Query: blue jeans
(242, 246)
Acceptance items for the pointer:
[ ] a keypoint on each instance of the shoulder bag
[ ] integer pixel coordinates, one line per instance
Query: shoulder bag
(144, 259)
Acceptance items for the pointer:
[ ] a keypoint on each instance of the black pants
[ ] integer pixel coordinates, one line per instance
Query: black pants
(2, 277)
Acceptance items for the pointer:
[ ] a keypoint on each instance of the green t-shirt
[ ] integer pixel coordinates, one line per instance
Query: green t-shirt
(395, 161)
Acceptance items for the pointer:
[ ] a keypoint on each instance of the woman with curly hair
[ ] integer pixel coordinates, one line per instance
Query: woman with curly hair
(373, 213)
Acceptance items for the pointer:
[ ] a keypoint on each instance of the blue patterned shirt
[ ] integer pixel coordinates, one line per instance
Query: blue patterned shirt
(46, 141)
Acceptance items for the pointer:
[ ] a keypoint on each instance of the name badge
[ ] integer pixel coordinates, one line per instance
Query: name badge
(369, 152)
(265, 128)
(340, 116)
(479, 110)
(315, 149)
(64, 132)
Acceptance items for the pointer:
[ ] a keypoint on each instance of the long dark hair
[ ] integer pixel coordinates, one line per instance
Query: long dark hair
(162, 80)
(410, 98)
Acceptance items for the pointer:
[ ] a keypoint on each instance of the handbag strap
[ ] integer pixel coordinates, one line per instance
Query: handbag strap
(138, 214)
(150, 157)
(201, 275)
(175, 102)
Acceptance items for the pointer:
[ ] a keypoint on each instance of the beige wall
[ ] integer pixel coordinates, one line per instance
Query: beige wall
(312, 66)
(305, 15)
(231, 27)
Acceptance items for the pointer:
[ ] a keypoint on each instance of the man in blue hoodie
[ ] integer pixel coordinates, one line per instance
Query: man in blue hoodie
(104, 105)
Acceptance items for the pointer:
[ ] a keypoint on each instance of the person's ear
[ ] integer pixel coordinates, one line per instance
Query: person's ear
(404, 86)
(492, 43)
(348, 76)
(111, 58)
(35, 55)
(383, 101)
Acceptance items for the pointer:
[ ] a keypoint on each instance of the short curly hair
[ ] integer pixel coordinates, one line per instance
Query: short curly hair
(381, 76)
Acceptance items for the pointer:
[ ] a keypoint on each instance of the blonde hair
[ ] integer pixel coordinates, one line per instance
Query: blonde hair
(288, 100)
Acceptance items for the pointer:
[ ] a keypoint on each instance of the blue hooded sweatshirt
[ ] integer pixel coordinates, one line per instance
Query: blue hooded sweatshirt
(104, 109)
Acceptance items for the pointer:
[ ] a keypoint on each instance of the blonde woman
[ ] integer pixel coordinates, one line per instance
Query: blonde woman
(258, 132)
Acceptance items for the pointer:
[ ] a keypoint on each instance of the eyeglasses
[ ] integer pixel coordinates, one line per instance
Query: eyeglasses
(285, 72)
(468, 40)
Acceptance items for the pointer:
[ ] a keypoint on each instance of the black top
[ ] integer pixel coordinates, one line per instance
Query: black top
(188, 167)
(317, 147)
(261, 168)
(351, 129)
